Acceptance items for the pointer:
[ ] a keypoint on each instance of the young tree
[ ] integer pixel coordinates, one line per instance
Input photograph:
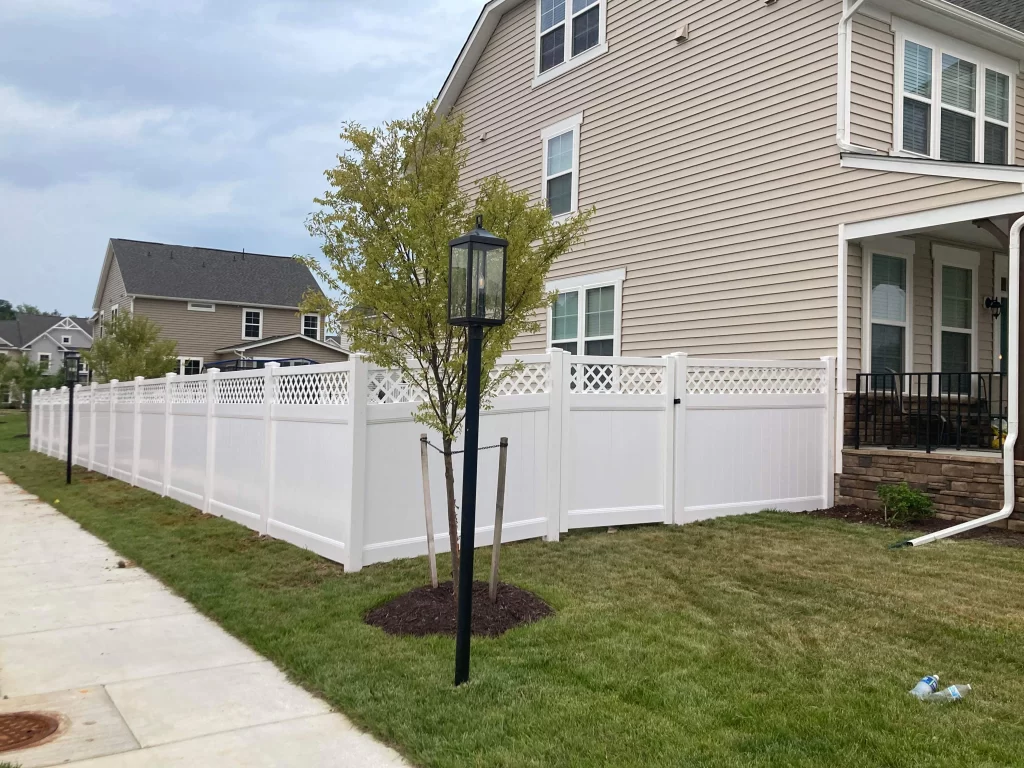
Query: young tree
(131, 346)
(21, 376)
(394, 203)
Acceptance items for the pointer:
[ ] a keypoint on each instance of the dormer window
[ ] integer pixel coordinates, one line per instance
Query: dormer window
(569, 32)
(955, 101)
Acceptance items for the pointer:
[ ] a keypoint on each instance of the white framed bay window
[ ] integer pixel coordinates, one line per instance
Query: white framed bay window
(569, 33)
(887, 335)
(953, 101)
(561, 174)
(586, 315)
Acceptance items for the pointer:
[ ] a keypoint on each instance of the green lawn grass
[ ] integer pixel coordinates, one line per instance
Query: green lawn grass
(766, 640)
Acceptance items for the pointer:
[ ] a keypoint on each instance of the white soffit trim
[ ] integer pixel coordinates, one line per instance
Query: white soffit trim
(984, 209)
(471, 51)
(927, 167)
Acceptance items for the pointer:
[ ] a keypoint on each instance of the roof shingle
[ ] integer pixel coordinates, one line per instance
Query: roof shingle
(26, 328)
(1008, 12)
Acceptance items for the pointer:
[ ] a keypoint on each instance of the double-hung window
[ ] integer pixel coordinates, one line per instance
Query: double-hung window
(585, 315)
(44, 361)
(311, 326)
(888, 313)
(566, 30)
(252, 323)
(954, 338)
(955, 101)
(561, 146)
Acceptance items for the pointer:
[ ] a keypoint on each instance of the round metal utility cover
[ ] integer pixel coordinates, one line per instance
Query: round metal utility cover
(21, 730)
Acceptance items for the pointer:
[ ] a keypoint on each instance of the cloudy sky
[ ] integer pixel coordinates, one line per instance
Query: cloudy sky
(200, 122)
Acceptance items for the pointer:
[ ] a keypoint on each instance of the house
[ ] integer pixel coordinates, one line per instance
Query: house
(782, 179)
(44, 339)
(219, 306)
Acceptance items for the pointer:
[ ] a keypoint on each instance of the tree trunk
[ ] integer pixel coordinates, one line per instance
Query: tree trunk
(453, 519)
(26, 404)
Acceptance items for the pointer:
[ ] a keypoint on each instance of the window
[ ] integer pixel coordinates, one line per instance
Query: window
(888, 313)
(201, 306)
(956, 101)
(954, 338)
(113, 311)
(190, 366)
(252, 323)
(311, 326)
(569, 32)
(584, 317)
(65, 339)
(44, 359)
(561, 165)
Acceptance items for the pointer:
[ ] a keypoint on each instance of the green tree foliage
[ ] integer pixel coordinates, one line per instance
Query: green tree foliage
(131, 346)
(20, 376)
(394, 203)
(6, 310)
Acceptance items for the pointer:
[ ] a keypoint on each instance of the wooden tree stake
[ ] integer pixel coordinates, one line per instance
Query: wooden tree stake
(499, 512)
(428, 511)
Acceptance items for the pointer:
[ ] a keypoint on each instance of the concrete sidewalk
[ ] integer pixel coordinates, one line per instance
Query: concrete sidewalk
(136, 675)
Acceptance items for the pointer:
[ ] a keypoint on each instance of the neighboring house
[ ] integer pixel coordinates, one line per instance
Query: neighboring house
(742, 209)
(217, 305)
(44, 339)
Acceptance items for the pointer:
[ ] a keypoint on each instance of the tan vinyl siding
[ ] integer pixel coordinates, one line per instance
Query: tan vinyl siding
(712, 166)
(922, 304)
(872, 80)
(854, 309)
(298, 348)
(113, 294)
(200, 334)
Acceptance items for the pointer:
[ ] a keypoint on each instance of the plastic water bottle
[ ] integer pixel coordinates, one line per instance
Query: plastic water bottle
(926, 687)
(953, 693)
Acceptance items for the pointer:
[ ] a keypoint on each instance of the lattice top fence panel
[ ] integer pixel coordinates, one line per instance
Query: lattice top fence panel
(124, 393)
(616, 379)
(242, 390)
(322, 388)
(388, 387)
(189, 391)
(529, 379)
(152, 393)
(755, 380)
(101, 395)
(83, 396)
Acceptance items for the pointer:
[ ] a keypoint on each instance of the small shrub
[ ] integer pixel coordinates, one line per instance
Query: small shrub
(903, 504)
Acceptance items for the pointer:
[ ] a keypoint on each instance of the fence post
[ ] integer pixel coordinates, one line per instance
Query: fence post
(112, 406)
(355, 474)
(211, 439)
(136, 431)
(269, 436)
(62, 447)
(557, 426)
(31, 419)
(92, 425)
(51, 400)
(168, 434)
(679, 471)
(672, 364)
(830, 426)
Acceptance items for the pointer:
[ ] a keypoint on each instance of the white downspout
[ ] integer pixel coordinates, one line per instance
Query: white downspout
(1013, 346)
(843, 106)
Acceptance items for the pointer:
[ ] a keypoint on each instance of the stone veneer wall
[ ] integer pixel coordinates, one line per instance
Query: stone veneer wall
(962, 487)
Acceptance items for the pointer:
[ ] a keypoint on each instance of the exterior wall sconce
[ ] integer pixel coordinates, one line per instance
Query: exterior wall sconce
(993, 304)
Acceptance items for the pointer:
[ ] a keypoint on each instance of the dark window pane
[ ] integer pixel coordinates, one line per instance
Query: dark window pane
(552, 48)
(886, 348)
(568, 346)
(560, 194)
(956, 352)
(603, 347)
(957, 137)
(586, 30)
(995, 144)
(916, 126)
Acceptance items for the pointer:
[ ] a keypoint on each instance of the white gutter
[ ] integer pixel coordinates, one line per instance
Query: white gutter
(1009, 487)
(845, 67)
(841, 362)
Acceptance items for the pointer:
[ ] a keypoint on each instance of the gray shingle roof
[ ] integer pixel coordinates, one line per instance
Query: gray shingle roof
(185, 272)
(25, 328)
(1008, 12)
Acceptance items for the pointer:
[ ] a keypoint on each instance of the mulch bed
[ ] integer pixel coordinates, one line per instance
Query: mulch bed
(854, 514)
(429, 611)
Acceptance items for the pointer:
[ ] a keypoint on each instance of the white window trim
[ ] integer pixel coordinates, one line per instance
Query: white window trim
(981, 58)
(65, 339)
(202, 306)
(114, 311)
(48, 361)
(570, 62)
(181, 364)
(245, 311)
(945, 255)
(302, 324)
(573, 124)
(896, 247)
(581, 284)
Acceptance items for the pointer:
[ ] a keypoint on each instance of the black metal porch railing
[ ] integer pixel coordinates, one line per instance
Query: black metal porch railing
(925, 411)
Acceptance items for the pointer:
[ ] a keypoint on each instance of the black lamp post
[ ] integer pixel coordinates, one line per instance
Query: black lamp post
(476, 298)
(72, 364)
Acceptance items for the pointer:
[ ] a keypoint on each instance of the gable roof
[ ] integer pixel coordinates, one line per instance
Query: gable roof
(1009, 13)
(208, 274)
(276, 339)
(25, 329)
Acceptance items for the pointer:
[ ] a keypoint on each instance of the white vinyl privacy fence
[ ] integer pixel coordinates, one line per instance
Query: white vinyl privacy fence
(328, 456)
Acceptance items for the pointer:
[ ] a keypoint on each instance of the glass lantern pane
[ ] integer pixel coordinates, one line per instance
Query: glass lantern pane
(487, 279)
(459, 279)
(495, 282)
